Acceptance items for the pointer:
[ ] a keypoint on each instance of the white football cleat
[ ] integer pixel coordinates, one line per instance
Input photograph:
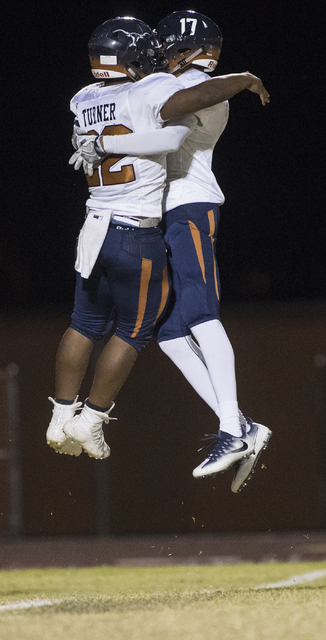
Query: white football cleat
(223, 451)
(245, 468)
(86, 431)
(55, 436)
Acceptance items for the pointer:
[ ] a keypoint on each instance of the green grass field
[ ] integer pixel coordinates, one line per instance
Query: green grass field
(165, 603)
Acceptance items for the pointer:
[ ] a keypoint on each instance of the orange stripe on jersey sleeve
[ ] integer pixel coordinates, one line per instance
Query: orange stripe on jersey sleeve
(145, 277)
(165, 291)
(199, 251)
(211, 221)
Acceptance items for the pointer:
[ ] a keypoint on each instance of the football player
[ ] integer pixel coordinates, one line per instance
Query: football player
(120, 265)
(121, 256)
(191, 204)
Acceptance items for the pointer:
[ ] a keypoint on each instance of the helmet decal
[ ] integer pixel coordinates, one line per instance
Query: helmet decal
(188, 25)
(108, 60)
(134, 36)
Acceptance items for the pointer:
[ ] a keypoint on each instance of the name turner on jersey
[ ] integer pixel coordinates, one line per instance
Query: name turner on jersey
(100, 113)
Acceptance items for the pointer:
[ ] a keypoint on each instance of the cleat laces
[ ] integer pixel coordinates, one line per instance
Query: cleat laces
(215, 445)
(59, 410)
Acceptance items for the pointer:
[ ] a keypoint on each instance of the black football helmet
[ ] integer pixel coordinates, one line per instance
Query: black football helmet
(121, 48)
(189, 37)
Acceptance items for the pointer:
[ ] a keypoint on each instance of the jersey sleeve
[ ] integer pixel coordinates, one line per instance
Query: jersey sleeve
(82, 94)
(212, 119)
(148, 97)
(74, 104)
(76, 99)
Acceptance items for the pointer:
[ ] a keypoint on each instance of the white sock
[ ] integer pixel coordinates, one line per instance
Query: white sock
(219, 358)
(229, 418)
(186, 355)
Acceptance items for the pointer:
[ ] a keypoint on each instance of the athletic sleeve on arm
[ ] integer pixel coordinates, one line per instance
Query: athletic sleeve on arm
(165, 140)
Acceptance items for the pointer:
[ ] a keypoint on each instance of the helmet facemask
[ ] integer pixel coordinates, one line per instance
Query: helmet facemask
(179, 56)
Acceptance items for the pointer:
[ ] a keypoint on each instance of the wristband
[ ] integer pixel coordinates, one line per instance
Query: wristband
(98, 147)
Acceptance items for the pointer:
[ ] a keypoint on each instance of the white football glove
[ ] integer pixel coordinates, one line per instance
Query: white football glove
(87, 154)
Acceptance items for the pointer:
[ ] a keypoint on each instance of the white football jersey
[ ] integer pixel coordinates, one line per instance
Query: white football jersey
(189, 174)
(127, 185)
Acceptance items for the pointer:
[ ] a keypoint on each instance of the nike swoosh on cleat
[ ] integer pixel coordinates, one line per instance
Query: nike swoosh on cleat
(243, 448)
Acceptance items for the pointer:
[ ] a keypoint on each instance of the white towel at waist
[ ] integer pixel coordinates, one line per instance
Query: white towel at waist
(91, 238)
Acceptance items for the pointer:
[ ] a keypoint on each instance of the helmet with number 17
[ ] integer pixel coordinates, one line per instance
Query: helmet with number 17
(189, 38)
(123, 48)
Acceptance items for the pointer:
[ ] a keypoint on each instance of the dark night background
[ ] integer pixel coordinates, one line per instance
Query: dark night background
(271, 252)
(269, 160)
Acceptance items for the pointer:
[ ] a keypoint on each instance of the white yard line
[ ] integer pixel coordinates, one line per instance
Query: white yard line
(294, 580)
(25, 604)
(291, 582)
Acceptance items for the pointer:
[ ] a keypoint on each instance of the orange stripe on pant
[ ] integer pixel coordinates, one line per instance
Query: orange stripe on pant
(197, 242)
(211, 220)
(145, 277)
(165, 291)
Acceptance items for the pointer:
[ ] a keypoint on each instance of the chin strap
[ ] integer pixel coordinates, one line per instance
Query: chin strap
(185, 61)
(134, 74)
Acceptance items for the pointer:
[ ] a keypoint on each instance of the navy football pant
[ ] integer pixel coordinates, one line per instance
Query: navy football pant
(190, 234)
(128, 282)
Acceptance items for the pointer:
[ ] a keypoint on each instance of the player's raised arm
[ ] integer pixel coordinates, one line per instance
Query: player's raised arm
(206, 94)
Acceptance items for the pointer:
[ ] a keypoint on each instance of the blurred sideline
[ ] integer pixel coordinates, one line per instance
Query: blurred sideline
(156, 550)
